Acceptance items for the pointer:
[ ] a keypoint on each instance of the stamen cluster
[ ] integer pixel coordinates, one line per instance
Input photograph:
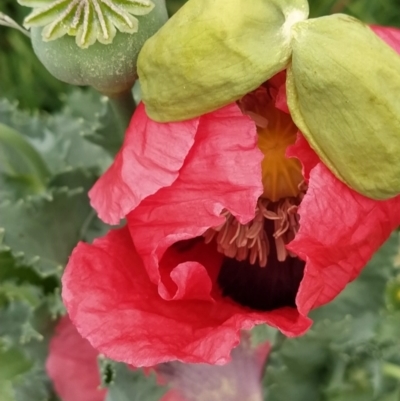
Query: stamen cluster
(252, 240)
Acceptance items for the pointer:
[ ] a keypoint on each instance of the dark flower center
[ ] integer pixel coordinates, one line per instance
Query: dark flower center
(258, 271)
(262, 288)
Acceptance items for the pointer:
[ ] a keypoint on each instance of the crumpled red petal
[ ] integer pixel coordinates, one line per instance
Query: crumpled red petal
(169, 307)
(277, 87)
(150, 158)
(390, 35)
(221, 171)
(115, 306)
(72, 365)
(173, 395)
(340, 230)
(303, 151)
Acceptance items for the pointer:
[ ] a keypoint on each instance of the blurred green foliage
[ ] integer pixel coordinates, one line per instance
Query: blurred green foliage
(381, 12)
(22, 76)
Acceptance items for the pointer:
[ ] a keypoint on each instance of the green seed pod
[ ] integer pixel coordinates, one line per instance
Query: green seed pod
(343, 89)
(212, 52)
(91, 42)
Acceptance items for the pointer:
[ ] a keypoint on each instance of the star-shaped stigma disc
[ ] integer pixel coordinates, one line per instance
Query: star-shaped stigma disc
(88, 20)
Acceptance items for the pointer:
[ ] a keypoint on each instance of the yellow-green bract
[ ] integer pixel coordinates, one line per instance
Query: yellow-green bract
(212, 52)
(343, 91)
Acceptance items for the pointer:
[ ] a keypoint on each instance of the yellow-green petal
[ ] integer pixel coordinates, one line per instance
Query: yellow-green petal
(343, 91)
(212, 52)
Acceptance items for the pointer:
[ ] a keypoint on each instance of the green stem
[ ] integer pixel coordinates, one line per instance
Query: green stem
(123, 107)
(279, 341)
(86, 223)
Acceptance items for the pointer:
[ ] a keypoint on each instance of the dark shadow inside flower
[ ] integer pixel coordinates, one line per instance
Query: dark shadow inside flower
(263, 288)
(260, 288)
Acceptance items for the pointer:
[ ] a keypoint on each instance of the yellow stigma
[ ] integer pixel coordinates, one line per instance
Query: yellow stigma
(281, 176)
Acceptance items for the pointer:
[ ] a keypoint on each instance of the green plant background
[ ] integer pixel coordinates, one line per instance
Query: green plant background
(352, 353)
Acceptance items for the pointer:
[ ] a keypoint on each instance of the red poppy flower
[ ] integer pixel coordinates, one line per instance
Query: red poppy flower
(232, 222)
(72, 365)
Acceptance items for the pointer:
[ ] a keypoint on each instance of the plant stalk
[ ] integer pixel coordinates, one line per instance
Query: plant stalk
(123, 107)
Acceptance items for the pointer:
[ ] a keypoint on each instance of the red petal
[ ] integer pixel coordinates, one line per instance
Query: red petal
(72, 365)
(183, 273)
(222, 171)
(340, 230)
(115, 306)
(173, 395)
(150, 159)
(277, 84)
(302, 151)
(390, 35)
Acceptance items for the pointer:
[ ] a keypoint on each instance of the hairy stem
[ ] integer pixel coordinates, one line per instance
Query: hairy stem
(123, 107)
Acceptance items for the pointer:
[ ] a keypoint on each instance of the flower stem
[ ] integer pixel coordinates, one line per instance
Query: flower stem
(123, 107)
(279, 341)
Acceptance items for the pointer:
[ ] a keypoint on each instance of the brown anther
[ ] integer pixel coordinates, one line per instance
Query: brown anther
(250, 241)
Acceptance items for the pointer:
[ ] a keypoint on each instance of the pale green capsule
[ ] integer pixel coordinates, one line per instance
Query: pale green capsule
(343, 90)
(212, 52)
(110, 69)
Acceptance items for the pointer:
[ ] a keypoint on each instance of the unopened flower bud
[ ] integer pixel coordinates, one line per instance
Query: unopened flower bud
(212, 52)
(343, 93)
(92, 42)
